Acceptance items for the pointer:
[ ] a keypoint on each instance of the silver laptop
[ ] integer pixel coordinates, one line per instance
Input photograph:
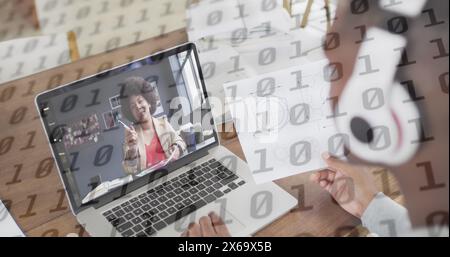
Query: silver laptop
(138, 152)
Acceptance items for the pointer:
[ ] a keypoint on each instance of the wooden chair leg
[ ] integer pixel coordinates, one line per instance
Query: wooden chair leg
(328, 13)
(73, 46)
(287, 4)
(306, 14)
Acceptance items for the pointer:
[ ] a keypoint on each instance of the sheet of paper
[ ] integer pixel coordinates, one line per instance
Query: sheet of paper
(100, 190)
(25, 56)
(105, 187)
(284, 121)
(157, 166)
(232, 53)
(210, 18)
(102, 26)
(8, 227)
(222, 62)
(410, 8)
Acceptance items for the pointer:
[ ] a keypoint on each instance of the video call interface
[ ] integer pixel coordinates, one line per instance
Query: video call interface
(129, 123)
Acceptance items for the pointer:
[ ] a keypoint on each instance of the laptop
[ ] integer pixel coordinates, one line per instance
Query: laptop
(132, 176)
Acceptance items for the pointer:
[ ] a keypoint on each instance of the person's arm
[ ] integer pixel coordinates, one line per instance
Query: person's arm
(353, 187)
(177, 144)
(131, 160)
(385, 217)
(178, 141)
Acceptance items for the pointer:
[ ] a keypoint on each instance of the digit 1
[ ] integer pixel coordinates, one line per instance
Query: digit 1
(60, 207)
(263, 162)
(301, 206)
(30, 212)
(16, 179)
(29, 145)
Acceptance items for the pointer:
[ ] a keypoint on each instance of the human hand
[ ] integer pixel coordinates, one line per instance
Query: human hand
(352, 186)
(208, 226)
(131, 137)
(174, 152)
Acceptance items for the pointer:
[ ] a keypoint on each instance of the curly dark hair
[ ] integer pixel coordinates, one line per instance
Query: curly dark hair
(135, 86)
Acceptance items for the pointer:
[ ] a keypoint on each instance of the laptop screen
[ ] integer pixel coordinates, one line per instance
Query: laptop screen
(127, 123)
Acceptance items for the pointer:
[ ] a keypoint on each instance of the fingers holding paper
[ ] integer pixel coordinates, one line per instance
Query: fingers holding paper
(352, 186)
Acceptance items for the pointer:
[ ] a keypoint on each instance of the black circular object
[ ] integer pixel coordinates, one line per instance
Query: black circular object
(361, 130)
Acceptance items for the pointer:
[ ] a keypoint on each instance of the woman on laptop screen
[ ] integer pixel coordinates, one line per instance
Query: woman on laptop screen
(150, 142)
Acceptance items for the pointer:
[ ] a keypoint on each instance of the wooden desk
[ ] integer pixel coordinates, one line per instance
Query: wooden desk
(30, 186)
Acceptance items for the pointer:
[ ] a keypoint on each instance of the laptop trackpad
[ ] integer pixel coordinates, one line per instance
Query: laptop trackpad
(233, 224)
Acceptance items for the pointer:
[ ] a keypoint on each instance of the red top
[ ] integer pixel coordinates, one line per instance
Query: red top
(155, 152)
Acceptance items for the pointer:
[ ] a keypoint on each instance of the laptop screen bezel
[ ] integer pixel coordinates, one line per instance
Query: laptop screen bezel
(119, 192)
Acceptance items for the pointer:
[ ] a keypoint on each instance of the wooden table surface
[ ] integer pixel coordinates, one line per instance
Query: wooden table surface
(31, 188)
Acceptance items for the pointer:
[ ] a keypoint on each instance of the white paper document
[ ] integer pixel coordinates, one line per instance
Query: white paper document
(105, 187)
(8, 227)
(102, 26)
(227, 18)
(239, 39)
(25, 56)
(284, 121)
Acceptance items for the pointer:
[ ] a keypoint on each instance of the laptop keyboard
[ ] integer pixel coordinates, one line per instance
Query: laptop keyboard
(149, 212)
